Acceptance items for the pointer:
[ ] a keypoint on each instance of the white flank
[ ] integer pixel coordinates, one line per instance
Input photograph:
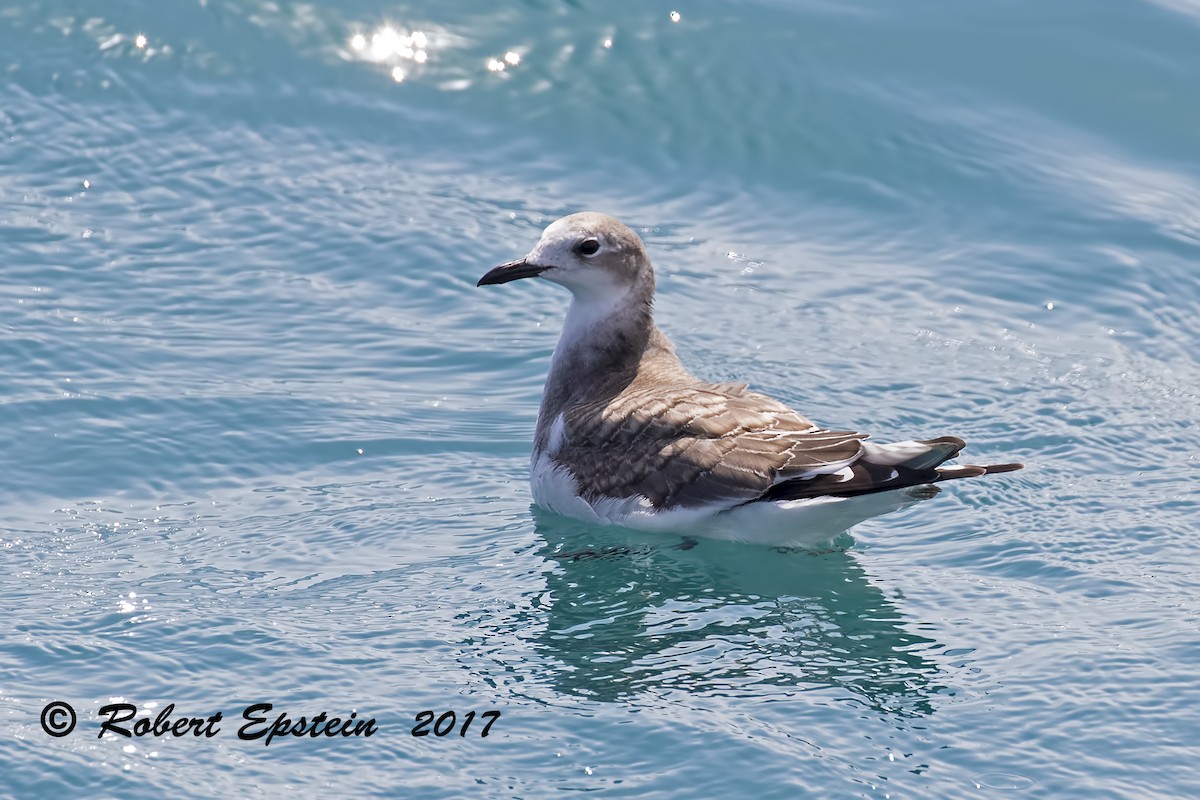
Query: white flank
(784, 523)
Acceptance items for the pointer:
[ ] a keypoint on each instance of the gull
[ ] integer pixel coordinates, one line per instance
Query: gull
(627, 436)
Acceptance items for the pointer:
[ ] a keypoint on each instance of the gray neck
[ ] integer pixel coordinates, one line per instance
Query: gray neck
(604, 342)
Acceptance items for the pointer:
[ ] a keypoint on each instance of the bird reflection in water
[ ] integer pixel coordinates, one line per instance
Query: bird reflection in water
(626, 613)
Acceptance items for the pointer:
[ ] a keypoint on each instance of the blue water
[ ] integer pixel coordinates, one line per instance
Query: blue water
(264, 441)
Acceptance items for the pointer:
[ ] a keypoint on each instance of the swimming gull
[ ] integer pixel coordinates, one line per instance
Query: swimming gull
(627, 436)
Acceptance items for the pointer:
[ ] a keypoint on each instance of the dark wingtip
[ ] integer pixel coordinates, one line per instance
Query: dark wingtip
(955, 471)
(949, 445)
(954, 440)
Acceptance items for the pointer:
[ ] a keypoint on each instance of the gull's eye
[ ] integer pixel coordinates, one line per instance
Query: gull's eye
(589, 247)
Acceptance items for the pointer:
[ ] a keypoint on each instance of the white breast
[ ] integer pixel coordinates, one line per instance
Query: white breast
(555, 489)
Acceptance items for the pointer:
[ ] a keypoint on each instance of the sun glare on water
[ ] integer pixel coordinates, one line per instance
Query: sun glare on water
(403, 53)
(391, 46)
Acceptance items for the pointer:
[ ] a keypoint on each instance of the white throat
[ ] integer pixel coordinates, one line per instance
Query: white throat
(587, 317)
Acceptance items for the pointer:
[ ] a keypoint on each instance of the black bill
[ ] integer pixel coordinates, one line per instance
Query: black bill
(513, 270)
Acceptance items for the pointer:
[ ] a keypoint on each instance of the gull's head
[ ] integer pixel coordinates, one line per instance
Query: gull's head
(591, 254)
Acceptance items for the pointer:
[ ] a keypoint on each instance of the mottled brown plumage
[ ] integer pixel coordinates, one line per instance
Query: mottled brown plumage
(622, 420)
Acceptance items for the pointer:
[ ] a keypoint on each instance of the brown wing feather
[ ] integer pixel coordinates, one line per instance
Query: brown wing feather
(689, 445)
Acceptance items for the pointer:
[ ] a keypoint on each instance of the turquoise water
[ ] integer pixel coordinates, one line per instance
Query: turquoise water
(266, 442)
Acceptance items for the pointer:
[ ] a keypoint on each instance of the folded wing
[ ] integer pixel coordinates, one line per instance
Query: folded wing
(722, 444)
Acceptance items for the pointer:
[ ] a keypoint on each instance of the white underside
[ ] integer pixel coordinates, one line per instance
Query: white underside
(783, 523)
